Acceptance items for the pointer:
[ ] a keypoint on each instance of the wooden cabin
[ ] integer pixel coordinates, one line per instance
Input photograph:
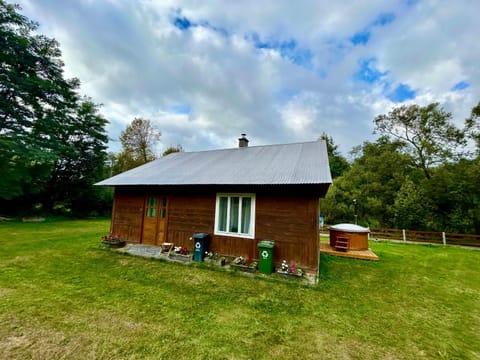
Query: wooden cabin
(238, 196)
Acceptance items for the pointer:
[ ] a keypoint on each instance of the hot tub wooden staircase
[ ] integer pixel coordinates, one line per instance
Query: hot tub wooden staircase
(342, 244)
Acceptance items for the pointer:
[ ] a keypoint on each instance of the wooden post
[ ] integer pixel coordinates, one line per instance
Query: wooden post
(444, 238)
(404, 233)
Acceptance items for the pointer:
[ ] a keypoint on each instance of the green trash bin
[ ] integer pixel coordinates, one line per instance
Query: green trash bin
(265, 255)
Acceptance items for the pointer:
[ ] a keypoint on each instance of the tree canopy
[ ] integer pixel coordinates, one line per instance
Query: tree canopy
(472, 126)
(375, 177)
(406, 179)
(52, 140)
(173, 149)
(139, 140)
(338, 163)
(427, 132)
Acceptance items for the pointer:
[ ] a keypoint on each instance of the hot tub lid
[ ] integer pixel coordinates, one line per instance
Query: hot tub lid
(350, 228)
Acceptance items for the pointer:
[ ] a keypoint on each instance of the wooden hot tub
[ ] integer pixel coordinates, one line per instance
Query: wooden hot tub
(357, 236)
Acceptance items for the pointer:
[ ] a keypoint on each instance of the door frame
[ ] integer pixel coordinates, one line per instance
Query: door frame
(161, 215)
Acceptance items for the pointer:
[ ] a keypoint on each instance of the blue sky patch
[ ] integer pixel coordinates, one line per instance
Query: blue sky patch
(301, 57)
(182, 23)
(336, 51)
(281, 45)
(285, 94)
(461, 85)
(402, 93)
(363, 36)
(384, 19)
(287, 48)
(360, 38)
(322, 73)
(181, 109)
(217, 29)
(368, 71)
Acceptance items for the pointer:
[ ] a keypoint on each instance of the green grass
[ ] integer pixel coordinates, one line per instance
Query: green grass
(63, 296)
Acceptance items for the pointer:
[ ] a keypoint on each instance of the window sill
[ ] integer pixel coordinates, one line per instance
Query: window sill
(245, 236)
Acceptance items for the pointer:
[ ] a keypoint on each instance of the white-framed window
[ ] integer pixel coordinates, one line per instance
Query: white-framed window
(235, 215)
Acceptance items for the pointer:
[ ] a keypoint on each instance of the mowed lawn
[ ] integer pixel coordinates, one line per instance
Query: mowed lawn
(63, 296)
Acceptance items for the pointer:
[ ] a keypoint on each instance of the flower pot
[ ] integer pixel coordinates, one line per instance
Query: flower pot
(114, 243)
(180, 257)
(288, 274)
(218, 261)
(244, 268)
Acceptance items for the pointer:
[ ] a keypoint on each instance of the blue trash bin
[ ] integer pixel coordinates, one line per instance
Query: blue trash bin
(201, 241)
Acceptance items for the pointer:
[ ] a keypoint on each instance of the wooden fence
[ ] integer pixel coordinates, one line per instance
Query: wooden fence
(433, 237)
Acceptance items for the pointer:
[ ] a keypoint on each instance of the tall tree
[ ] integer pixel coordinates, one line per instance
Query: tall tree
(454, 195)
(51, 139)
(427, 131)
(34, 96)
(81, 161)
(472, 126)
(375, 177)
(138, 144)
(411, 208)
(338, 163)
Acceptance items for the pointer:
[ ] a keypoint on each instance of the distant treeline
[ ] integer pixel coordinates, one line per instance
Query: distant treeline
(422, 173)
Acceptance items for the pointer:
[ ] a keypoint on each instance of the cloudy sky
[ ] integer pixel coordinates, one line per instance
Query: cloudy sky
(281, 71)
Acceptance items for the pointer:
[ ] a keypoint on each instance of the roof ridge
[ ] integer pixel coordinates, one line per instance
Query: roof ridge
(250, 147)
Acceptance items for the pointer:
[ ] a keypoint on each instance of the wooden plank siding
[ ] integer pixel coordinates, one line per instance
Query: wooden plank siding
(127, 215)
(292, 222)
(289, 219)
(189, 214)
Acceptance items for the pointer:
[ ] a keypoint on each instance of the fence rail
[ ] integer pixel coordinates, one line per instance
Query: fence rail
(433, 237)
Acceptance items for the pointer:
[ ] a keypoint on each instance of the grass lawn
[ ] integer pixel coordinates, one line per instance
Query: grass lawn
(63, 296)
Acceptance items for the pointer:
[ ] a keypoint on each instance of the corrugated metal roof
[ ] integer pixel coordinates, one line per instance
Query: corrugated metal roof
(285, 164)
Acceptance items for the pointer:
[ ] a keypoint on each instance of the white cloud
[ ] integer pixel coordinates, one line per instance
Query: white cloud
(130, 57)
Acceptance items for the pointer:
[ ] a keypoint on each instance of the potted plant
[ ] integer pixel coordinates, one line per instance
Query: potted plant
(180, 253)
(290, 271)
(214, 258)
(113, 240)
(244, 264)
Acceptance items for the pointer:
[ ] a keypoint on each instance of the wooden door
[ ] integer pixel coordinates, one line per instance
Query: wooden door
(162, 220)
(155, 220)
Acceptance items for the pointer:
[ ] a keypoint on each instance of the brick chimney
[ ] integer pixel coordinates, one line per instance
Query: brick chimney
(243, 141)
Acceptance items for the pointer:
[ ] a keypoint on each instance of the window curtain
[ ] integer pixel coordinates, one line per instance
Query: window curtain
(234, 205)
(222, 214)
(246, 214)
